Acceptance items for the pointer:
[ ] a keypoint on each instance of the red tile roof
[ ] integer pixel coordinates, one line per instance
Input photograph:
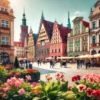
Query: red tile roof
(86, 24)
(64, 32)
(49, 27)
(20, 44)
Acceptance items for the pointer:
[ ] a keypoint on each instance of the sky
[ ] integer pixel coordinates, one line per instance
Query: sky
(52, 9)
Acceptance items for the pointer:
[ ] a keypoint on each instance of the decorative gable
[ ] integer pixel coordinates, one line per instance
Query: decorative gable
(42, 35)
(56, 34)
(30, 39)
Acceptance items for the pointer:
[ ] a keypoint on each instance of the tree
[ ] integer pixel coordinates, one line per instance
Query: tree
(16, 63)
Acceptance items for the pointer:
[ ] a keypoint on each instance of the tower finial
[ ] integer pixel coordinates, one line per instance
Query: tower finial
(69, 24)
(42, 16)
(24, 18)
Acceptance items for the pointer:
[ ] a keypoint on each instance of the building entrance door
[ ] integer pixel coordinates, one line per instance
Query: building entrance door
(4, 58)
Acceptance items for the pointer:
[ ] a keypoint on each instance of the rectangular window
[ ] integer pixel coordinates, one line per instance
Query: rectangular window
(6, 24)
(93, 39)
(43, 42)
(94, 24)
(4, 40)
(3, 23)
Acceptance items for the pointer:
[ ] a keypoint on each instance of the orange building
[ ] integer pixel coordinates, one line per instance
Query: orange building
(31, 45)
(6, 32)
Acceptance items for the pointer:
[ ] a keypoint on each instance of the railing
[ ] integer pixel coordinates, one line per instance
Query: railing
(94, 44)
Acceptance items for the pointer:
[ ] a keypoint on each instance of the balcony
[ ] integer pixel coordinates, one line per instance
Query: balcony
(4, 12)
(7, 46)
(94, 45)
(94, 29)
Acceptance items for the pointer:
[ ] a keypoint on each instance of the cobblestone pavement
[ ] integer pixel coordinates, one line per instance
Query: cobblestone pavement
(70, 71)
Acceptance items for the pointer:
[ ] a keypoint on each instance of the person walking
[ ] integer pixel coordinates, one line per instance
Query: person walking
(86, 63)
(51, 64)
(78, 62)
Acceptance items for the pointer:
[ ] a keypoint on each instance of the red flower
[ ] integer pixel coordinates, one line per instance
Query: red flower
(89, 92)
(76, 78)
(96, 93)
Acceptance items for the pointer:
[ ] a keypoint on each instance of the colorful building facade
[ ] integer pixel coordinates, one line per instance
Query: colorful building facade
(43, 39)
(19, 49)
(58, 45)
(31, 45)
(95, 29)
(78, 38)
(6, 32)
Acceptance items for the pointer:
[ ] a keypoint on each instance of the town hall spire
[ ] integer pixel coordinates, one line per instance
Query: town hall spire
(69, 24)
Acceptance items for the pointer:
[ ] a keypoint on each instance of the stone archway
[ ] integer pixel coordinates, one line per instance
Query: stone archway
(99, 51)
(93, 52)
(4, 58)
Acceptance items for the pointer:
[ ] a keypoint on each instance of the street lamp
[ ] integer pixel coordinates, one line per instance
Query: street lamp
(26, 49)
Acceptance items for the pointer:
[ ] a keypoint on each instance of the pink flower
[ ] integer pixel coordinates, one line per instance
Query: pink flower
(4, 95)
(18, 83)
(28, 78)
(6, 89)
(62, 76)
(91, 79)
(21, 80)
(58, 75)
(76, 78)
(35, 84)
(89, 92)
(21, 91)
(81, 87)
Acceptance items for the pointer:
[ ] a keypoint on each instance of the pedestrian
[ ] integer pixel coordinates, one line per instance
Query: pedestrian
(51, 64)
(78, 62)
(86, 63)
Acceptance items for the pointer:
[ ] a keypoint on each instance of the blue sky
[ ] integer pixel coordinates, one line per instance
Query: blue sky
(53, 9)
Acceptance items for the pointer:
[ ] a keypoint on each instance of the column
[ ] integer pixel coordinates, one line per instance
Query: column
(88, 41)
(73, 45)
(80, 43)
(68, 45)
(97, 38)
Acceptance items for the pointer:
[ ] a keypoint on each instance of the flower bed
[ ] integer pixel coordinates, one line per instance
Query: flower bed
(85, 88)
(19, 73)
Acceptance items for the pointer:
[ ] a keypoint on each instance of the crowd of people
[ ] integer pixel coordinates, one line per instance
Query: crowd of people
(80, 62)
(87, 62)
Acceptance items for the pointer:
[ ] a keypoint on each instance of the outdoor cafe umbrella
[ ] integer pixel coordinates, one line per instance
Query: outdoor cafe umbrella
(49, 58)
(96, 56)
(65, 57)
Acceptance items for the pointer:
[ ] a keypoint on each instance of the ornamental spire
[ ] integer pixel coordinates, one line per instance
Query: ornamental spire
(69, 24)
(42, 16)
(24, 19)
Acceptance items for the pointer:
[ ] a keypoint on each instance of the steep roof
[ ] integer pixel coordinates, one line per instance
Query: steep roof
(35, 37)
(86, 24)
(64, 32)
(49, 27)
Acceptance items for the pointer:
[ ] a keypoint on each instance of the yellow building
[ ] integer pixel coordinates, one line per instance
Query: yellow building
(6, 32)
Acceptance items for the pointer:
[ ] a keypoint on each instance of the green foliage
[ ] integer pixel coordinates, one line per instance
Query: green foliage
(51, 91)
(16, 63)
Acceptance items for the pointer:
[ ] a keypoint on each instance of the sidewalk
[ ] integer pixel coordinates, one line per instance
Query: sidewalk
(69, 72)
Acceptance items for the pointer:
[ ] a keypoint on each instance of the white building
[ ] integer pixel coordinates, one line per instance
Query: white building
(95, 29)
(18, 49)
